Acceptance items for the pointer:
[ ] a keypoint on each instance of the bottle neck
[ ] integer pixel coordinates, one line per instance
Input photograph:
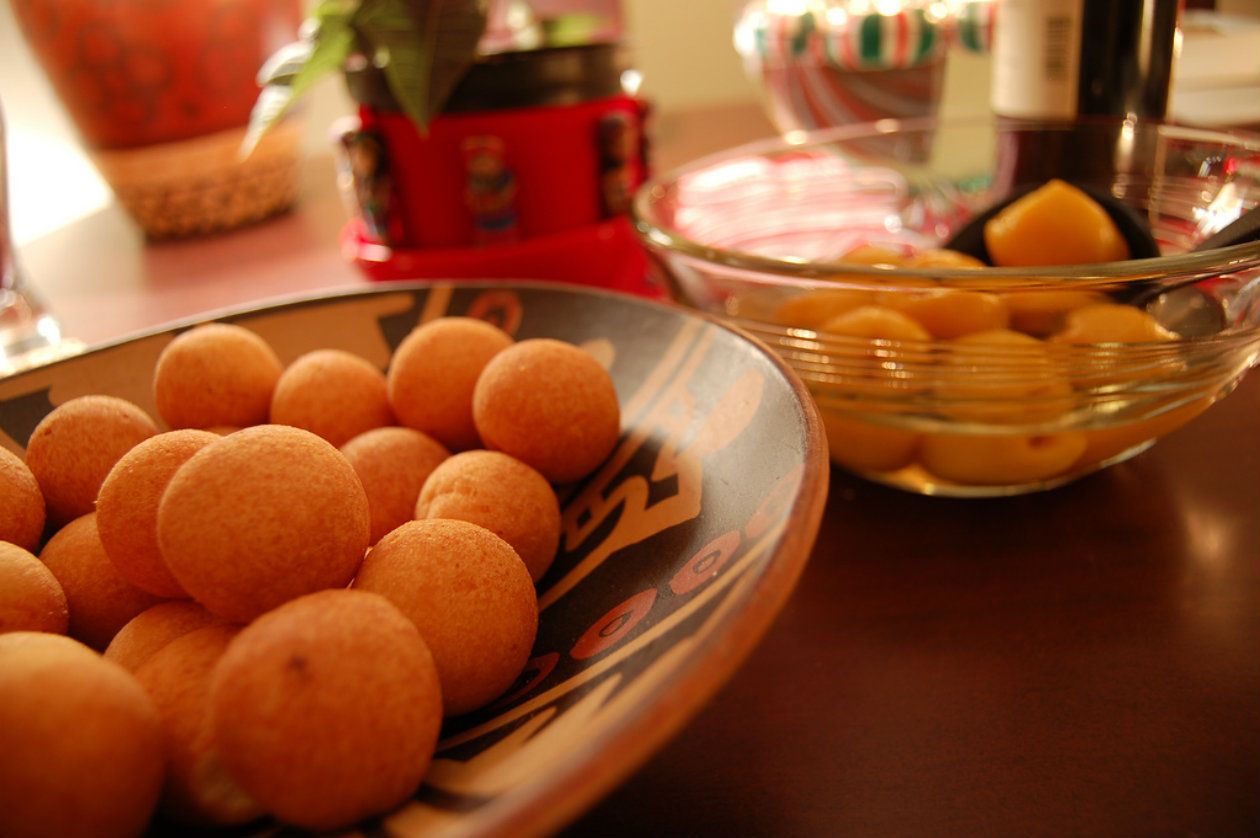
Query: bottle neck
(1064, 59)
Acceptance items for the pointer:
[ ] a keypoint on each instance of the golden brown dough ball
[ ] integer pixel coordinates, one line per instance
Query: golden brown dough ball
(260, 517)
(73, 448)
(215, 374)
(550, 405)
(327, 709)
(31, 598)
(433, 373)
(150, 630)
(101, 601)
(502, 494)
(82, 753)
(332, 394)
(198, 788)
(469, 595)
(126, 510)
(21, 503)
(393, 464)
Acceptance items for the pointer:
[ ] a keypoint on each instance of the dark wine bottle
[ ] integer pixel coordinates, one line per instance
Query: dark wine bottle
(1076, 86)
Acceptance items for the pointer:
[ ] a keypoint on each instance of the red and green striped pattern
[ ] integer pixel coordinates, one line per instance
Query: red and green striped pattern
(899, 41)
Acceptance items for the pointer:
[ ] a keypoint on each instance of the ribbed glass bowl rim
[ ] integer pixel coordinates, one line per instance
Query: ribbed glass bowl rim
(771, 271)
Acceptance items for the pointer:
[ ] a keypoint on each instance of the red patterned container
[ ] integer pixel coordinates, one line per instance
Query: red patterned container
(160, 91)
(527, 173)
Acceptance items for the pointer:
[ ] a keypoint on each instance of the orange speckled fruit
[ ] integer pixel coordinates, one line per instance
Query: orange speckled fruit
(1111, 323)
(469, 595)
(262, 516)
(949, 312)
(21, 503)
(1055, 224)
(876, 322)
(873, 254)
(215, 374)
(814, 308)
(433, 372)
(1000, 459)
(101, 601)
(327, 709)
(126, 510)
(550, 405)
(502, 494)
(82, 753)
(73, 448)
(198, 788)
(862, 445)
(1042, 313)
(31, 598)
(333, 394)
(943, 258)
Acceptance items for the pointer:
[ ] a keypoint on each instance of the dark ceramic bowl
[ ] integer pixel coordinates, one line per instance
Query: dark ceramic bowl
(675, 555)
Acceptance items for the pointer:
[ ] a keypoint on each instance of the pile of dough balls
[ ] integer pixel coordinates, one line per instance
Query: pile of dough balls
(265, 602)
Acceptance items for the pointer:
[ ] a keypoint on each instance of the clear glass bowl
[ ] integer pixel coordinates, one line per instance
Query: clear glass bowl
(761, 235)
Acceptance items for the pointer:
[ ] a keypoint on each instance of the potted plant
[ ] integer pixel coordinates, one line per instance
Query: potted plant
(492, 138)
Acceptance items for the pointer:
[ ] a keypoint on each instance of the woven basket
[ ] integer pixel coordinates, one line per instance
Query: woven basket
(198, 186)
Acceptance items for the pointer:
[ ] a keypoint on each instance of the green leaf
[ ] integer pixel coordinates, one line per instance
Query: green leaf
(423, 47)
(294, 68)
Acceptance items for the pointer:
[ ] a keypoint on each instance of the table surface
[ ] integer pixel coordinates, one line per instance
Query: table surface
(1084, 661)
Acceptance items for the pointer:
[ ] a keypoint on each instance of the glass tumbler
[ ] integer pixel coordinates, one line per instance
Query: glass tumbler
(28, 332)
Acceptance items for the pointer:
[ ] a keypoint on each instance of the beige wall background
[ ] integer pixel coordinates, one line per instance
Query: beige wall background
(682, 47)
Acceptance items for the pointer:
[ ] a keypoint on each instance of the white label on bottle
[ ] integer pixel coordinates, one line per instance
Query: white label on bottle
(1036, 58)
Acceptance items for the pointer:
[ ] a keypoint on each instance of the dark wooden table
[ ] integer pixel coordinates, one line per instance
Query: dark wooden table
(1080, 662)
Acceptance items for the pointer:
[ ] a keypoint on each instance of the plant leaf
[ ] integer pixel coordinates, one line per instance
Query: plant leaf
(424, 47)
(294, 68)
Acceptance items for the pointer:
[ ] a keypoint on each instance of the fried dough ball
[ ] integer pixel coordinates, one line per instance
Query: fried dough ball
(150, 630)
(333, 394)
(470, 596)
(327, 709)
(126, 510)
(433, 373)
(82, 752)
(198, 788)
(260, 517)
(101, 601)
(31, 598)
(393, 464)
(502, 494)
(73, 448)
(215, 374)
(21, 503)
(550, 405)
